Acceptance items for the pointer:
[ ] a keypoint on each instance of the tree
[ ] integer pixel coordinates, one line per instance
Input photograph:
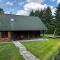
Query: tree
(1, 11)
(42, 16)
(37, 13)
(46, 17)
(32, 13)
(57, 21)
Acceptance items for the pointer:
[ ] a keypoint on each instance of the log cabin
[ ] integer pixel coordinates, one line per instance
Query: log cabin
(18, 27)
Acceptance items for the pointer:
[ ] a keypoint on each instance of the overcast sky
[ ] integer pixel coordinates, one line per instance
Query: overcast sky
(23, 7)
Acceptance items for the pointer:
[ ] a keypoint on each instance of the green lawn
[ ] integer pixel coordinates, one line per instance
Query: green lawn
(9, 52)
(44, 50)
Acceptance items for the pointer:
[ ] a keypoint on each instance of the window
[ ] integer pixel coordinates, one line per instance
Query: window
(4, 34)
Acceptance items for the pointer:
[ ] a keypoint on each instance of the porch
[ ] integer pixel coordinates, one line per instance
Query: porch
(23, 35)
(19, 35)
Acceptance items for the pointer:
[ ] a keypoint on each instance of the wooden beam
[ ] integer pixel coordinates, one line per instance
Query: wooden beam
(28, 34)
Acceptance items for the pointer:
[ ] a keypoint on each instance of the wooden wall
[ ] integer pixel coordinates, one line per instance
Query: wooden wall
(20, 35)
(5, 39)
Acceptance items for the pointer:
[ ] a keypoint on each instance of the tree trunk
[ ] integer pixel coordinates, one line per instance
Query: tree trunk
(54, 34)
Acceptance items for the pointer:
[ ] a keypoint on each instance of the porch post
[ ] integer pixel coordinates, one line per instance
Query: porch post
(28, 34)
(43, 33)
(40, 34)
(0, 35)
(9, 35)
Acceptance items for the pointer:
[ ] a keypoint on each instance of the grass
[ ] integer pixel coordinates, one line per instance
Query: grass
(44, 50)
(9, 52)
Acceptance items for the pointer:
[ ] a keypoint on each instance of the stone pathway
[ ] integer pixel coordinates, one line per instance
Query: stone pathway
(26, 54)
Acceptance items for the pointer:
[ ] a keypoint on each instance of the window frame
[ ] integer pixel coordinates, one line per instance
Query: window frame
(4, 34)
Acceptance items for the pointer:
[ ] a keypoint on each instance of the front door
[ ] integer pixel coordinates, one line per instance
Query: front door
(17, 35)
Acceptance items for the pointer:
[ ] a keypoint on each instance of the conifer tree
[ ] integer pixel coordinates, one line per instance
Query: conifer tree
(57, 21)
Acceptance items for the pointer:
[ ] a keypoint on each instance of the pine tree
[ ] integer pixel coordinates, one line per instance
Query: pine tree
(57, 21)
(32, 13)
(48, 15)
(1, 11)
(36, 13)
(48, 18)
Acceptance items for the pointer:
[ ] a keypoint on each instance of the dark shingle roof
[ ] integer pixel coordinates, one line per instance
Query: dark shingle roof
(10, 22)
